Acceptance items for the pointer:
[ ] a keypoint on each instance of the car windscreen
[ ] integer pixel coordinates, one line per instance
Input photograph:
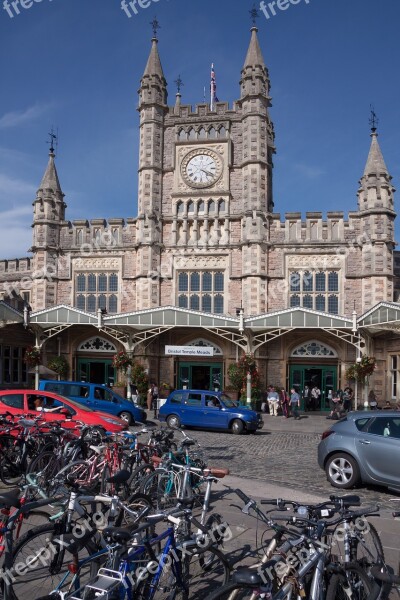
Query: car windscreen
(74, 404)
(228, 402)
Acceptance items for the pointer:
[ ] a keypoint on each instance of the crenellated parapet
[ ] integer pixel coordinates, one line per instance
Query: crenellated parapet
(98, 234)
(16, 265)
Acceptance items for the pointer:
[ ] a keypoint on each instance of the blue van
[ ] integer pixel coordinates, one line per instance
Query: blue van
(208, 410)
(97, 397)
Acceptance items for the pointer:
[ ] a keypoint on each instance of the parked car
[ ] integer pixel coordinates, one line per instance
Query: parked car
(54, 407)
(362, 447)
(208, 410)
(97, 397)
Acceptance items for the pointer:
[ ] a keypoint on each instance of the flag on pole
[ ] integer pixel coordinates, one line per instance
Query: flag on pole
(213, 88)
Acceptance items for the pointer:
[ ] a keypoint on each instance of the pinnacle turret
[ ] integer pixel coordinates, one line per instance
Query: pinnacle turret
(376, 190)
(375, 162)
(153, 86)
(255, 78)
(50, 178)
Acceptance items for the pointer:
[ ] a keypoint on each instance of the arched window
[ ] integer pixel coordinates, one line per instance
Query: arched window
(333, 304)
(212, 133)
(103, 284)
(192, 134)
(333, 282)
(113, 283)
(92, 283)
(218, 304)
(91, 303)
(295, 282)
(219, 282)
(190, 208)
(183, 301)
(79, 237)
(200, 207)
(182, 135)
(81, 302)
(195, 282)
(180, 208)
(183, 282)
(195, 302)
(211, 206)
(113, 304)
(307, 282)
(320, 283)
(103, 301)
(221, 206)
(307, 301)
(320, 302)
(294, 301)
(222, 132)
(207, 282)
(206, 303)
(202, 133)
(81, 283)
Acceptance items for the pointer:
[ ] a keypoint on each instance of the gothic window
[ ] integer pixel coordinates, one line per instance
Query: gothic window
(115, 235)
(102, 283)
(183, 282)
(195, 302)
(81, 302)
(202, 133)
(307, 282)
(113, 283)
(314, 349)
(92, 287)
(103, 301)
(307, 301)
(180, 208)
(320, 303)
(190, 208)
(192, 134)
(211, 206)
(79, 237)
(295, 282)
(333, 281)
(320, 282)
(294, 300)
(212, 133)
(91, 303)
(222, 132)
(113, 304)
(81, 283)
(182, 135)
(221, 206)
(333, 304)
(200, 207)
(201, 291)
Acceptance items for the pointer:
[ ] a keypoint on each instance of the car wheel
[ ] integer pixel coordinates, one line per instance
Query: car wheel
(126, 416)
(237, 427)
(342, 471)
(173, 422)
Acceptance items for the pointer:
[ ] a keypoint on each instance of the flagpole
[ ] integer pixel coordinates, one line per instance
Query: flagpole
(211, 89)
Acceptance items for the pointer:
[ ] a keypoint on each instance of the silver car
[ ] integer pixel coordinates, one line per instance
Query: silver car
(362, 447)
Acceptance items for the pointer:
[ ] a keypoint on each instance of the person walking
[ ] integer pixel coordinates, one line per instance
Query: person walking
(295, 404)
(307, 398)
(347, 399)
(284, 401)
(150, 397)
(315, 394)
(273, 401)
(134, 393)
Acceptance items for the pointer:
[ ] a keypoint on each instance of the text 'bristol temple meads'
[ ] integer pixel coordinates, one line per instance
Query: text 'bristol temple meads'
(207, 262)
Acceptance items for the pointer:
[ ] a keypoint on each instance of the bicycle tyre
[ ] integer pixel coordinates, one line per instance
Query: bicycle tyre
(11, 471)
(45, 466)
(36, 548)
(163, 488)
(137, 503)
(234, 591)
(138, 475)
(353, 580)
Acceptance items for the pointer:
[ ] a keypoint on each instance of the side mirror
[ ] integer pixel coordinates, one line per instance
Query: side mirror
(115, 400)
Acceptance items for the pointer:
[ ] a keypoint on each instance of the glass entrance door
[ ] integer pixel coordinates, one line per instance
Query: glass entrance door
(200, 376)
(95, 371)
(322, 376)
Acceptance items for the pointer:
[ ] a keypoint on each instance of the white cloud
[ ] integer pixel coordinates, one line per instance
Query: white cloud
(309, 171)
(18, 117)
(16, 196)
(15, 189)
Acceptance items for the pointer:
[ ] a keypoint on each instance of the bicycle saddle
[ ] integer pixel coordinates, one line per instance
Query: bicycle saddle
(10, 498)
(117, 534)
(247, 576)
(188, 443)
(120, 477)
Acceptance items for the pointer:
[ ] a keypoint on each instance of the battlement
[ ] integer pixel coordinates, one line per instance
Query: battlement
(203, 111)
(98, 232)
(15, 265)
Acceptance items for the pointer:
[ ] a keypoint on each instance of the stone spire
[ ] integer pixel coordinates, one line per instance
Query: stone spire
(375, 162)
(255, 78)
(153, 85)
(376, 190)
(50, 179)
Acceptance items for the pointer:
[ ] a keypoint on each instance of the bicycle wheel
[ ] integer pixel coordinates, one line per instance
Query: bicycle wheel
(236, 591)
(78, 473)
(138, 475)
(46, 465)
(352, 583)
(35, 572)
(365, 543)
(163, 487)
(11, 461)
(138, 503)
(208, 571)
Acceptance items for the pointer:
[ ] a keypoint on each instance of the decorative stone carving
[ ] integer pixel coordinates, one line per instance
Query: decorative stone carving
(307, 261)
(96, 264)
(314, 349)
(201, 262)
(97, 344)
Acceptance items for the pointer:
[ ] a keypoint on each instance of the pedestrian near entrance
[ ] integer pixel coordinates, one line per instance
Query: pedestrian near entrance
(315, 395)
(284, 402)
(307, 398)
(294, 404)
(273, 401)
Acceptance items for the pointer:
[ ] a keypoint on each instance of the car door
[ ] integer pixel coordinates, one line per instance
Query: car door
(380, 450)
(192, 409)
(213, 414)
(13, 403)
(102, 399)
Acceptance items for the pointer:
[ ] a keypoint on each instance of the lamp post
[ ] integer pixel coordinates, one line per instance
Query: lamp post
(248, 388)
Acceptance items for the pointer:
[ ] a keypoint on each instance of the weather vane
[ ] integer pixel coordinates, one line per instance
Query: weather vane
(254, 15)
(53, 138)
(373, 121)
(179, 83)
(156, 26)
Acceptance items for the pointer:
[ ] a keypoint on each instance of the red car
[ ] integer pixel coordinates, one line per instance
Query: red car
(54, 407)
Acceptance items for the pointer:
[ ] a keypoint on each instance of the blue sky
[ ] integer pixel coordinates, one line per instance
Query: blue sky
(76, 65)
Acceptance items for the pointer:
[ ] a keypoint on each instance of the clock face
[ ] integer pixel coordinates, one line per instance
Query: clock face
(201, 169)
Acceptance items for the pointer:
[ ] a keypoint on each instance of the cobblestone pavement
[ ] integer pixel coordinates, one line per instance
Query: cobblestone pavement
(284, 458)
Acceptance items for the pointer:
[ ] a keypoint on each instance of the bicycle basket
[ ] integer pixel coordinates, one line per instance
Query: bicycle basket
(103, 587)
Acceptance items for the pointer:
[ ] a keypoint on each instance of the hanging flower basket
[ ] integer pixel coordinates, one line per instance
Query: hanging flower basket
(59, 365)
(122, 361)
(32, 356)
(361, 370)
